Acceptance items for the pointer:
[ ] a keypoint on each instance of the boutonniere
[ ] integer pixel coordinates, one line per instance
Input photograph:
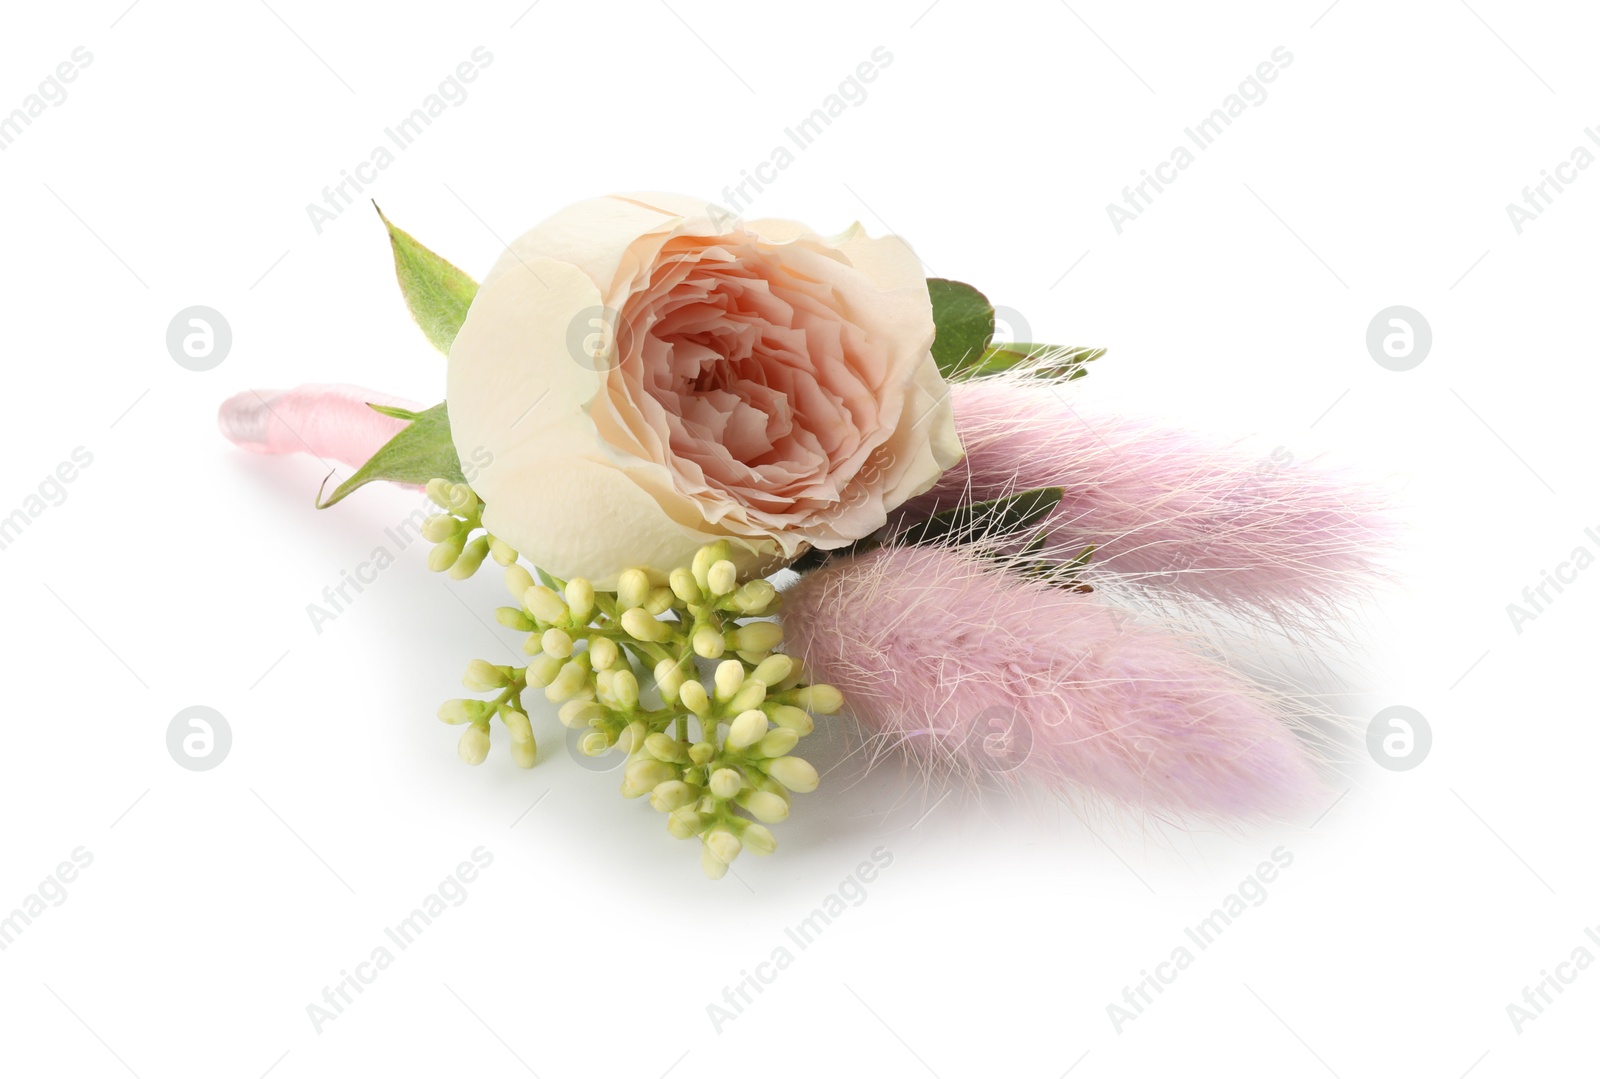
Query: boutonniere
(652, 406)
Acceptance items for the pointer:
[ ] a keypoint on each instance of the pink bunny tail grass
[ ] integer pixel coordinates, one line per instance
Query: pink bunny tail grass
(330, 422)
(1166, 506)
(976, 670)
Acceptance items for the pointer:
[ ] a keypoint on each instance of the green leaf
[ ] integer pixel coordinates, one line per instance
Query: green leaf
(419, 452)
(391, 410)
(1063, 575)
(975, 520)
(963, 320)
(437, 293)
(1036, 544)
(1047, 361)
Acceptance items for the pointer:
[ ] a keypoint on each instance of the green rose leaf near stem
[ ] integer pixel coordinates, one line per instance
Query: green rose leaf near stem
(1059, 362)
(1066, 575)
(419, 452)
(1081, 560)
(964, 347)
(975, 520)
(963, 320)
(437, 293)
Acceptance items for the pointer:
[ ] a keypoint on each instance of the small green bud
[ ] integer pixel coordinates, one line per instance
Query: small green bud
(625, 689)
(440, 527)
(633, 588)
(474, 744)
(685, 587)
(514, 618)
(693, 696)
(556, 642)
(502, 552)
(603, 653)
(773, 670)
(517, 725)
(438, 491)
(793, 772)
(461, 499)
(748, 728)
(632, 737)
(713, 867)
(671, 795)
(702, 752)
(728, 678)
(524, 754)
(579, 714)
(669, 679)
(765, 806)
(723, 844)
(683, 822)
(580, 598)
(755, 597)
(722, 578)
(708, 643)
(445, 553)
(758, 839)
(823, 700)
(664, 747)
(594, 744)
(543, 602)
(795, 719)
(725, 782)
(705, 558)
(518, 581)
(797, 675)
(777, 743)
(659, 601)
(751, 695)
(470, 559)
(542, 669)
(463, 711)
(756, 637)
(641, 625)
(483, 676)
(644, 774)
(568, 683)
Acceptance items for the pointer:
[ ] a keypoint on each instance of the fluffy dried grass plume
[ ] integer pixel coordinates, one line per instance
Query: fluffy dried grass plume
(975, 670)
(979, 669)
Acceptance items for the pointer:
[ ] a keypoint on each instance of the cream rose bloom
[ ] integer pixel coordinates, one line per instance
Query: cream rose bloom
(645, 376)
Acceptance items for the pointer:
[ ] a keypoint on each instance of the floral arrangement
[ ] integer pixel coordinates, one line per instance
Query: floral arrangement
(652, 406)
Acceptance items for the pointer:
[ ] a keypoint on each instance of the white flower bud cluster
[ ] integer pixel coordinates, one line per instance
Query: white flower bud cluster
(455, 549)
(713, 754)
(475, 715)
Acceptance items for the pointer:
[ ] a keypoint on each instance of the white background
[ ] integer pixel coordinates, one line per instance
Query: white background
(178, 570)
